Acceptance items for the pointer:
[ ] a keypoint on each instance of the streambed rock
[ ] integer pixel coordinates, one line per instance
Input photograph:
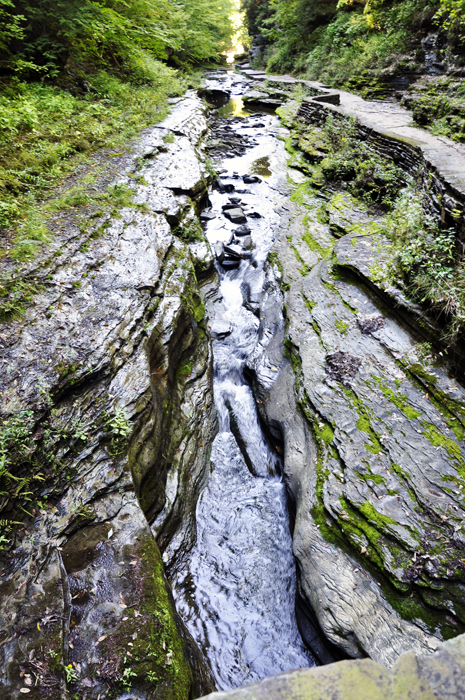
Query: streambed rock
(106, 380)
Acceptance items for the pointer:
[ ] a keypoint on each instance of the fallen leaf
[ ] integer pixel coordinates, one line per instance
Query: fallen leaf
(104, 636)
(25, 690)
(363, 550)
(110, 533)
(123, 605)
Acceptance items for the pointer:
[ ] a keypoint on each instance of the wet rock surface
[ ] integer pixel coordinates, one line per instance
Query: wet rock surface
(378, 497)
(107, 380)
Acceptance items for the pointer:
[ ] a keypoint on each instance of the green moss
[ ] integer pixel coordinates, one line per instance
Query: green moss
(438, 439)
(327, 434)
(399, 400)
(185, 369)
(308, 302)
(274, 260)
(291, 352)
(342, 326)
(304, 270)
(369, 476)
(159, 648)
(334, 289)
(370, 512)
(451, 409)
(363, 422)
(190, 231)
(15, 294)
(191, 297)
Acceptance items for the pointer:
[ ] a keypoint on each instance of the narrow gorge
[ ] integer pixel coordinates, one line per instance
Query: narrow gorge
(232, 444)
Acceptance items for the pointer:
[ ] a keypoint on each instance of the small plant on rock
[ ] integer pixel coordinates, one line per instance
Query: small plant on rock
(70, 674)
(120, 428)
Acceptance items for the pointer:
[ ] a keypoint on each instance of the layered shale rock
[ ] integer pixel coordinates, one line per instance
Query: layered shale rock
(107, 414)
(372, 434)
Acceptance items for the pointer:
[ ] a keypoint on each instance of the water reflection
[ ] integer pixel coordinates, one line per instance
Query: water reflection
(234, 108)
(261, 166)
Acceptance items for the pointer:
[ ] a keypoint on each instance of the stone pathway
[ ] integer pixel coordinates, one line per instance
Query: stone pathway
(389, 118)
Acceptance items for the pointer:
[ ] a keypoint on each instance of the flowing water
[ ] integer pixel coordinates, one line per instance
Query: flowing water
(237, 596)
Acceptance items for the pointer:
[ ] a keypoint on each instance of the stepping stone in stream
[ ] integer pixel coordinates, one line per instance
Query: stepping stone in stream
(246, 242)
(207, 216)
(223, 186)
(220, 329)
(237, 216)
(233, 251)
(242, 231)
(230, 264)
(218, 247)
(249, 179)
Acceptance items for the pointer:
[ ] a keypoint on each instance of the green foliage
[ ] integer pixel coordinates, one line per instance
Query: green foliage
(44, 37)
(351, 161)
(426, 259)
(452, 15)
(341, 41)
(120, 428)
(439, 105)
(16, 447)
(70, 674)
(79, 76)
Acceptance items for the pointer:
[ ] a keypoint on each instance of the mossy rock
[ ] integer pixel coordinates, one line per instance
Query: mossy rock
(440, 676)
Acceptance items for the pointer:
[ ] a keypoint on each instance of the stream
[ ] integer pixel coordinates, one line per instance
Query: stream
(237, 595)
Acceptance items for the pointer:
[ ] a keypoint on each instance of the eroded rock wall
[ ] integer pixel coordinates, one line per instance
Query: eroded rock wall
(107, 399)
(373, 455)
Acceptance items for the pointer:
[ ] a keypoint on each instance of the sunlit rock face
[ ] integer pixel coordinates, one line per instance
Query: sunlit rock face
(440, 676)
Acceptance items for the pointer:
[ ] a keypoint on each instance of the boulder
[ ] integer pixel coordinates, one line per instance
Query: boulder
(233, 251)
(242, 231)
(236, 215)
(440, 676)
